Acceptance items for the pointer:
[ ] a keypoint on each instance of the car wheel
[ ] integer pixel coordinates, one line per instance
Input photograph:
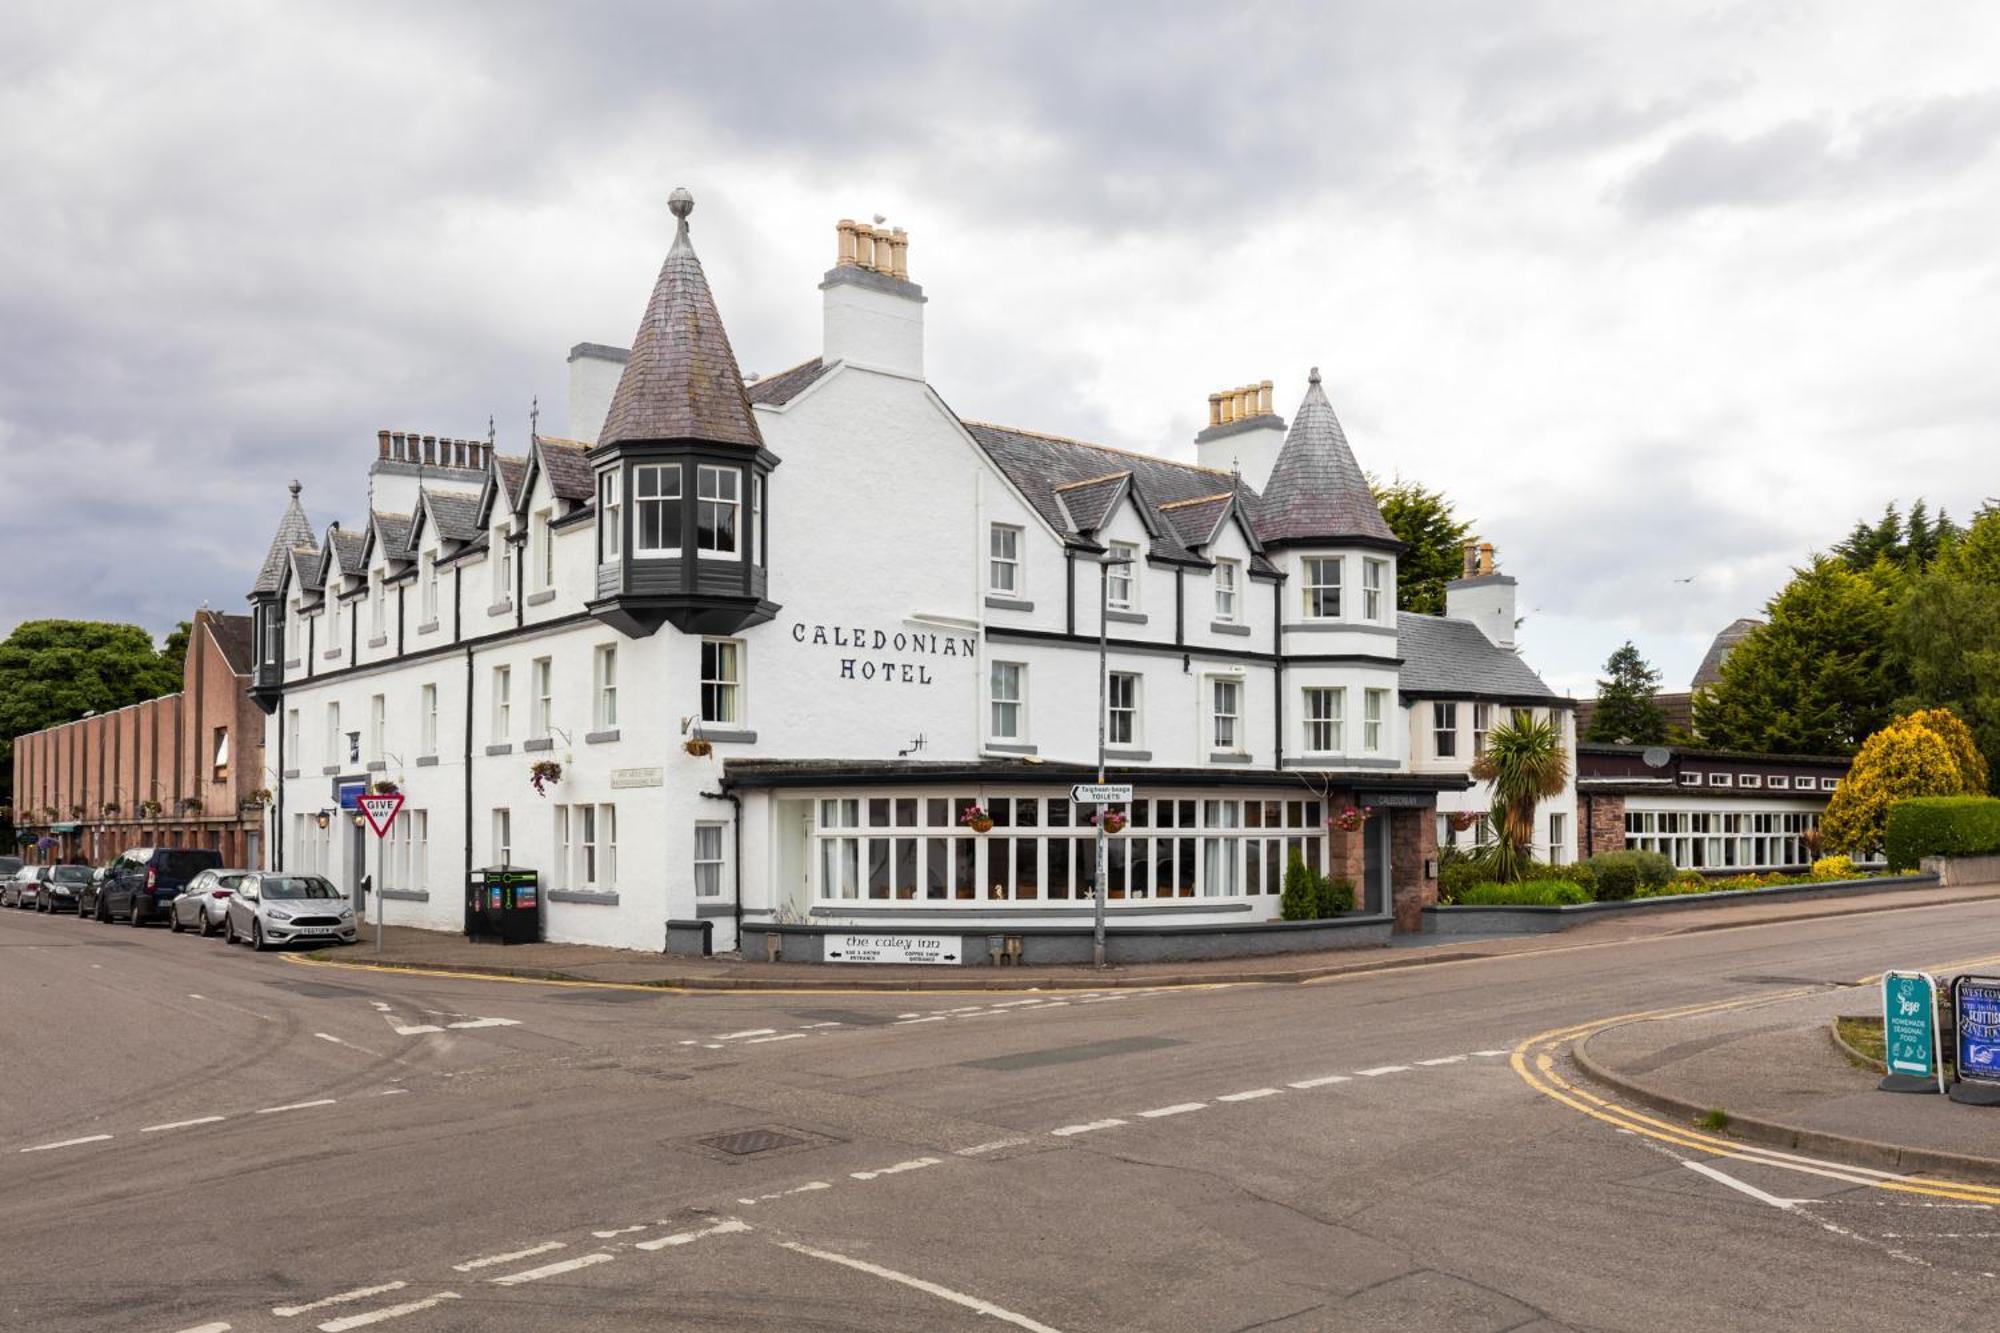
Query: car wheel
(103, 911)
(174, 922)
(138, 917)
(257, 936)
(203, 929)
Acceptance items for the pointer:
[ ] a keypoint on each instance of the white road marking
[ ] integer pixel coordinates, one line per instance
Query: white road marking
(386, 1312)
(727, 1227)
(1068, 1130)
(358, 1294)
(295, 1106)
(1250, 1096)
(972, 1303)
(486, 1023)
(906, 1015)
(197, 997)
(328, 1036)
(1322, 1081)
(181, 1124)
(912, 1022)
(1743, 1186)
(68, 1143)
(689, 1041)
(412, 1029)
(995, 1146)
(206, 1328)
(915, 1164)
(491, 1260)
(379, 1006)
(619, 1231)
(1181, 1109)
(1380, 1070)
(1015, 1004)
(590, 1260)
(392, 1092)
(782, 1194)
(748, 1032)
(1506, 1052)
(782, 1036)
(1441, 1060)
(711, 1046)
(828, 1024)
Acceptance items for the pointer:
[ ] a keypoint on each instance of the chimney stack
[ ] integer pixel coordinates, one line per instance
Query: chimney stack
(873, 313)
(1243, 434)
(1484, 596)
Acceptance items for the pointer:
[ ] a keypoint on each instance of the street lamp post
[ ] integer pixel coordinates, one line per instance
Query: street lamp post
(1104, 566)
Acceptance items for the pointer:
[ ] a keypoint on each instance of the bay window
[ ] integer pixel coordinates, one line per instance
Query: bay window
(1325, 729)
(610, 516)
(1374, 703)
(1321, 584)
(1373, 574)
(656, 509)
(719, 501)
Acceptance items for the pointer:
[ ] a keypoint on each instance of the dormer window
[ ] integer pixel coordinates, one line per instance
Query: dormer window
(718, 511)
(610, 516)
(1322, 587)
(656, 499)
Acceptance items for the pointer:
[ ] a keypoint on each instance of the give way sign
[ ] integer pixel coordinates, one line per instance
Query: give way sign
(380, 811)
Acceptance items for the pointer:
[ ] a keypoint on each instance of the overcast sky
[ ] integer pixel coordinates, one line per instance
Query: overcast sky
(1654, 292)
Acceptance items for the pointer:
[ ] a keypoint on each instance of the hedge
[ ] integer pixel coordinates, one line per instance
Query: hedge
(1942, 826)
(1621, 875)
(1525, 893)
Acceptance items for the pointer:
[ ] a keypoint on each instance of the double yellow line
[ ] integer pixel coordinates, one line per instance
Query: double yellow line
(1535, 1061)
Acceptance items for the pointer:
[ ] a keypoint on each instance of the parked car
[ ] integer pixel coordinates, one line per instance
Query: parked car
(9, 864)
(201, 904)
(141, 883)
(22, 887)
(279, 909)
(61, 888)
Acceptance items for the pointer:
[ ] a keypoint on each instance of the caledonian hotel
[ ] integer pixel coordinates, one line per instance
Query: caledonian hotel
(753, 662)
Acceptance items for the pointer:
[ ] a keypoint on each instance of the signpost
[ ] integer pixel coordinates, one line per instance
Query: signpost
(1910, 1046)
(1101, 793)
(380, 812)
(1975, 1003)
(934, 949)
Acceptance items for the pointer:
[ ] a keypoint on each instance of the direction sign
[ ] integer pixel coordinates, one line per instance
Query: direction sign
(1910, 1033)
(933, 949)
(380, 811)
(1101, 793)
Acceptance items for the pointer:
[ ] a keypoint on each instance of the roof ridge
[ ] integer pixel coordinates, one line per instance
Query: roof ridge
(1093, 481)
(1091, 444)
(1199, 500)
(787, 370)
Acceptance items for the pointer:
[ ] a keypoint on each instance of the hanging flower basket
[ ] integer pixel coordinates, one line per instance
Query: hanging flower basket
(1461, 820)
(386, 788)
(698, 747)
(76, 812)
(1114, 820)
(149, 808)
(48, 814)
(542, 773)
(975, 818)
(111, 809)
(1350, 819)
(262, 796)
(191, 805)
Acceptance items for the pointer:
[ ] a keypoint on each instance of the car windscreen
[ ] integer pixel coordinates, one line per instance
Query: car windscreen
(9, 864)
(71, 874)
(297, 886)
(184, 864)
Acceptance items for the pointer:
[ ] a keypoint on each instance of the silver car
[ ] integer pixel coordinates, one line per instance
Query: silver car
(269, 909)
(21, 888)
(202, 903)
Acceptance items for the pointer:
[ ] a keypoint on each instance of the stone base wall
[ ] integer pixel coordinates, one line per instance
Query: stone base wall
(1600, 824)
(1412, 861)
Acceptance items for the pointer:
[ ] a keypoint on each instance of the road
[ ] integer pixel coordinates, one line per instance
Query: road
(194, 1137)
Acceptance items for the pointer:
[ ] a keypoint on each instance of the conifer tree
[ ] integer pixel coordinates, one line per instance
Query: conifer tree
(1627, 711)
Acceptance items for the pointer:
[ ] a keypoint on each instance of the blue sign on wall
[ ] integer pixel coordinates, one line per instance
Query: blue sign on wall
(1977, 1000)
(350, 795)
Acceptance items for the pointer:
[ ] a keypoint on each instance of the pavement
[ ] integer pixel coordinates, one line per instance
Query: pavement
(198, 1139)
(406, 947)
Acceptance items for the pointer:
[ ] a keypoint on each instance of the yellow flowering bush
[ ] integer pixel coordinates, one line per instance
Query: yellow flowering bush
(1920, 754)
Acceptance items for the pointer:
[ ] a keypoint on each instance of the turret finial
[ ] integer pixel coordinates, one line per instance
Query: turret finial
(295, 488)
(1313, 376)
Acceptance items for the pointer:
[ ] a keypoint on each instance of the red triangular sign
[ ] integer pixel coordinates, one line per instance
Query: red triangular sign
(380, 811)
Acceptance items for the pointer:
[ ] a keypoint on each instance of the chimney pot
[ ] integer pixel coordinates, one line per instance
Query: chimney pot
(899, 250)
(1486, 565)
(1264, 399)
(1215, 409)
(382, 442)
(864, 245)
(844, 253)
(1246, 403)
(1471, 560)
(1228, 401)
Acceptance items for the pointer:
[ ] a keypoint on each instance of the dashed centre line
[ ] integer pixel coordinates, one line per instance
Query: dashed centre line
(68, 1143)
(590, 1260)
(1252, 1095)
(1322, 1081)
(1088, 1127)
(294, 1106)
(358, 1294)
(1181, 1108)
(1380, 1070)
(727, 1227)
(387, 1312)
(492, 1260)
(915, 1164)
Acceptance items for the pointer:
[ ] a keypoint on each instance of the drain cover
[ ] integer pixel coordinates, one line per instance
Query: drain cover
(750, 1141)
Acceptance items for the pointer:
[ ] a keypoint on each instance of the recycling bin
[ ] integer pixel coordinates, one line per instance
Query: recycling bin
(503, 903)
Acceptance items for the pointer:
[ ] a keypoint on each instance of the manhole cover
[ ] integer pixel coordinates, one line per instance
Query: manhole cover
(750, 1141)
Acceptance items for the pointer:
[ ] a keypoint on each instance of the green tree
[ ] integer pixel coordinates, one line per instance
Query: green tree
(1816, 677)
(1912, 543)
(1923, 754)
(1627, 711)
(1525, 761)
(1946, 634)
(1424, 520)
(173, 653)
(55, 671)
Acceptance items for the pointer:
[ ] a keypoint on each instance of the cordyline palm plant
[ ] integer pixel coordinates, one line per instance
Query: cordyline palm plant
(1525, 761)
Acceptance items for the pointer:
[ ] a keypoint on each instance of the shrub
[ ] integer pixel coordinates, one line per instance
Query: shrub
(1525, 893)
(1576, 872)
(1458, 872)
(1332, 896)
(1298, 902)
(1835, 867)
(1942, 826)
(1620, 875)
(1917, 755)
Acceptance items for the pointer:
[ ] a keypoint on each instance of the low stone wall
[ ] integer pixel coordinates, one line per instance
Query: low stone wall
(1455, 920)
(1954, 871)
(1069, 945)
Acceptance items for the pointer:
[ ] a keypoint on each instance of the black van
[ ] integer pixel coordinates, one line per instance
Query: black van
(141, 882)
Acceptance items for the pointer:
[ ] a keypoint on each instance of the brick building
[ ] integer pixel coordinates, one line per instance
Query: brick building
(185, 769)
(1717, 811)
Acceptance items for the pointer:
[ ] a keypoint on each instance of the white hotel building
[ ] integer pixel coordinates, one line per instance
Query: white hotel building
(869, 614)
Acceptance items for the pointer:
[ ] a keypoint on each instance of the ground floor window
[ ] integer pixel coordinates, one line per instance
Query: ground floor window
(1723, 839)
(406, 852)
(587, 846)
(911, 848)
(708, 860)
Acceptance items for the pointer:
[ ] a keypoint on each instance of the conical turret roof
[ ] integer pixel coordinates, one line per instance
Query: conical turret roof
(681, 380)
(1317, 492)
(293, 532)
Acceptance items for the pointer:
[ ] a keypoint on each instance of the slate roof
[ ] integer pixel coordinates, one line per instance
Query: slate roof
(1442, 656)
(233, 635)
(294, 531)
(347, 548)
(1038, 464)
(681, 380)
(566, 464)
(1195, 520)
(781, 388)
(1710, 670)
(456, 515)
(305, 568)
(1316, 491)
(513, 474)
(393, 531)
(1089, 503)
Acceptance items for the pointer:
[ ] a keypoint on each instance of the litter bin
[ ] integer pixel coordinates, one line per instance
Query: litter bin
(503, 903)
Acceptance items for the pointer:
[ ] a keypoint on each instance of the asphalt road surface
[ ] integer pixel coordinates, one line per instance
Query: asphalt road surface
(194, 1137)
